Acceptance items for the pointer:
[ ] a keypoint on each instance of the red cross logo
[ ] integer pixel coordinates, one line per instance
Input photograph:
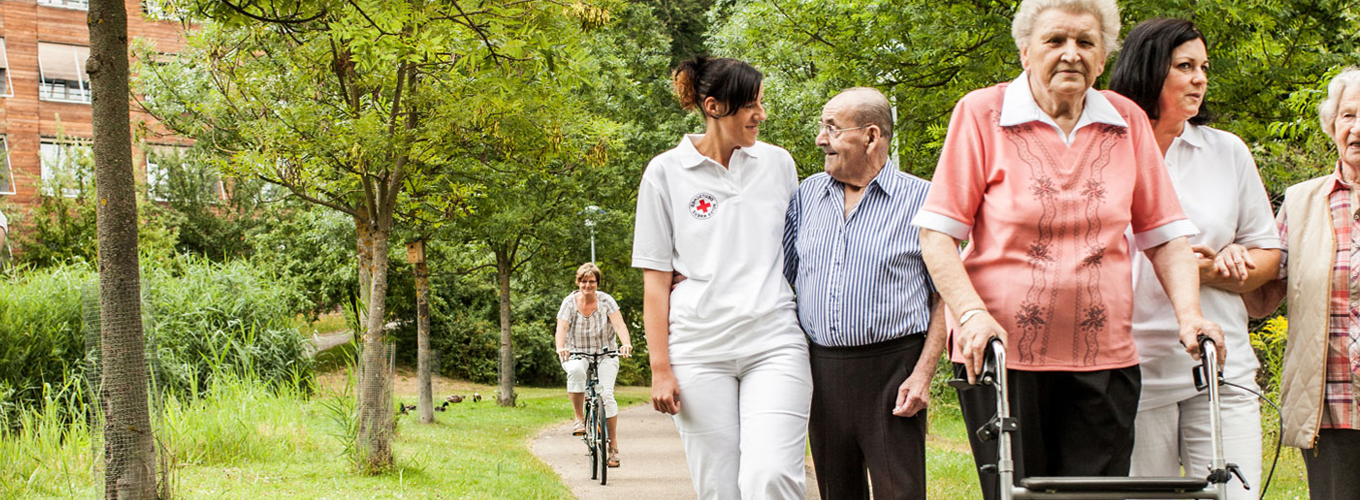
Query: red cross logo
(703, 206)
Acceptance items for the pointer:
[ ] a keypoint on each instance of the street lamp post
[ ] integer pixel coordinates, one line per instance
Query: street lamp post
(591, 212)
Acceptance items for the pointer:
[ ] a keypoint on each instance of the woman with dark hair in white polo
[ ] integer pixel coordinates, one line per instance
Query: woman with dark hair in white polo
(728, 357)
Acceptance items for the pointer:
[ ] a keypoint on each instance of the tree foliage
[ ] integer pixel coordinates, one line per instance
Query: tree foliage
(1269, 58)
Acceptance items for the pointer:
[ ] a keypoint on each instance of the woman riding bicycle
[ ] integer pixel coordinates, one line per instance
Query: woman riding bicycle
(584, 326)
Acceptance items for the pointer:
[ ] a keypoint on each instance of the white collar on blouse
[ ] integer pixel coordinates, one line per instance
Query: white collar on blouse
(1018, 106)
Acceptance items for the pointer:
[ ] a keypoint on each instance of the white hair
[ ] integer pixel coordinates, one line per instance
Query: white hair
(1337, 88)
(1106, 12)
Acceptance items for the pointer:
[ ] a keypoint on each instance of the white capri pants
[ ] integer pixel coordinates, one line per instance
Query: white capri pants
(744, 424)
(608, 373)
(1166, 435)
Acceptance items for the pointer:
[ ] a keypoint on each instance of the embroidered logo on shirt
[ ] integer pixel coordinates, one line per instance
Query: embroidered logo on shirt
(702, 206)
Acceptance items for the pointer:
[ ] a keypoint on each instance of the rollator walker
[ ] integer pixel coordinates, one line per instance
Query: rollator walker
(1001, 427)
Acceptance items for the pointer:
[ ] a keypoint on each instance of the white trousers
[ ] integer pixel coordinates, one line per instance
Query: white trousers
(744, 424)
(608, 373)
(1169, 437)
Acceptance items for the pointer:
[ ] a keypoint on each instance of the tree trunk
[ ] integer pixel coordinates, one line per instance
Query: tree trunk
(364, 239)
(423, 368)
(375, 399)
(129, 449)
(506, 397)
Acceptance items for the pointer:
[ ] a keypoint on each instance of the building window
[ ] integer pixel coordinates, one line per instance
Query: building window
(6, 84)
(61, 70)
(67, 4)
(66, 165)
(6, 173)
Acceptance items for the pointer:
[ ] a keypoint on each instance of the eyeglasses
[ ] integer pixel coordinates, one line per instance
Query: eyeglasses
(587, 282)
(833, 130)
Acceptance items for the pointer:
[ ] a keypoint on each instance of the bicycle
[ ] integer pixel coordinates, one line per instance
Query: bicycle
(596, 437)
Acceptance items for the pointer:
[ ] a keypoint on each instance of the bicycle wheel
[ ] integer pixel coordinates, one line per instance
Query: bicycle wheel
(603, 431)
(589, 439)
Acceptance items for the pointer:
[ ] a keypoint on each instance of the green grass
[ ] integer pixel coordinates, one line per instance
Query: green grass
(950, 470)
(245, 440)
(242, 441)
(324, 324)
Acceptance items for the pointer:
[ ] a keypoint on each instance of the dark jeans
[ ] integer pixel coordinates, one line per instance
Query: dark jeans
(1332, 465)
(1071, 423)
(852, 428)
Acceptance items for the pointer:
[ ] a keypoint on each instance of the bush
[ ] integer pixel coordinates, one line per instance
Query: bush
(41, 339)
(210, 318)
(201, 319)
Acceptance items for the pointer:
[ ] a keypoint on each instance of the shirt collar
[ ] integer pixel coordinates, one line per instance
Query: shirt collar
(1193, 135)
(1337, 183)
(886, 180)
(690, 156)
(1018, 106)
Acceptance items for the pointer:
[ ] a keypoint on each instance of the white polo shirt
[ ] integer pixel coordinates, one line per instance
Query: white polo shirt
(723, 229)
(1221, 191)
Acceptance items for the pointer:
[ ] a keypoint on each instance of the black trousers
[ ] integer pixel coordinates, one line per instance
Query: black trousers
(1071, 423)
(852, 428)
(1331, 465)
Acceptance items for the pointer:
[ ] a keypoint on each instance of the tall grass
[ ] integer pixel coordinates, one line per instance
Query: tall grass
(47, 453)
(202, 318)
(41, 343)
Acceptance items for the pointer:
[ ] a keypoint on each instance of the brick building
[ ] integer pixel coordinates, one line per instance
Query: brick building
(45, 94)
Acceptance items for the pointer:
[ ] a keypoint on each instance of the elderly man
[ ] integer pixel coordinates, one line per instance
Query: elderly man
(865, 300)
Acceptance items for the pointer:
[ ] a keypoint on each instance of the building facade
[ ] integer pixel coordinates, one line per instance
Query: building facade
(45, 122)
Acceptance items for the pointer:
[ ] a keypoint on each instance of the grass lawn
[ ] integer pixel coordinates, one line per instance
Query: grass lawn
(244, 442)
(474, 450)
(950, 470)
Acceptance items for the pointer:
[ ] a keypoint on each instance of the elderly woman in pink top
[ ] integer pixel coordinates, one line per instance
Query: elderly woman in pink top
(1041, 176)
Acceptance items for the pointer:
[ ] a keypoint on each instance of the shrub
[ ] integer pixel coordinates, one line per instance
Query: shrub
(41, 340)
(201, 319)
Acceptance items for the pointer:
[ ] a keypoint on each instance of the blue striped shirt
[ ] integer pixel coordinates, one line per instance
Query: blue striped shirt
(859, 278)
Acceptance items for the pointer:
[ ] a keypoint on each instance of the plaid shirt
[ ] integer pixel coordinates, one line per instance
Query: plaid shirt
(1343, 325)
(590, 334)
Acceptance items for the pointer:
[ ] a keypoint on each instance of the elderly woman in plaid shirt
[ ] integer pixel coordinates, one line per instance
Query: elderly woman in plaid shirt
(586, 323)
(1321, 370)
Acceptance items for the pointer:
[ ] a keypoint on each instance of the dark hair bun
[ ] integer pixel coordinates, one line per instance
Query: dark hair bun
(685, 79)
(732, 82)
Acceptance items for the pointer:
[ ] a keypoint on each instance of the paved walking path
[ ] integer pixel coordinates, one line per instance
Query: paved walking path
(653, 461)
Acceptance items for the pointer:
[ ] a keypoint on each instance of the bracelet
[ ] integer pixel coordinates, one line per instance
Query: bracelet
(967, 315)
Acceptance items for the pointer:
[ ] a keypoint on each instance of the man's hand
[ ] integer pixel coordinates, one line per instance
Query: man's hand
(626, 351)
(676, 278)
(563, 354)
(1233, 262)
(665, 392)
(913, 395)
(1190, 331)
(972, 338)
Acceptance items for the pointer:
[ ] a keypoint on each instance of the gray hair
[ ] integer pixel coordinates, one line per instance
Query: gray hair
(1106, 12)
(871, 107)
(1337, 88)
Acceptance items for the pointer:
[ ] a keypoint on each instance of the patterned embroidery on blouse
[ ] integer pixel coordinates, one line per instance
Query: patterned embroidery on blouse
(1062, 219)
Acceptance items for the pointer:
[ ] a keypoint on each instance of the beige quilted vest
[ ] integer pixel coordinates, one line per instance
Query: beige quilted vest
(1309, 290)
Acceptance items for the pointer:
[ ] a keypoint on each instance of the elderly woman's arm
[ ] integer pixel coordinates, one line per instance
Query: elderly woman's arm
(560, 339)
(1236, 268)
(941, 253)
(621, 328)
(656, 311)
(1263, 301)
(1176, 268)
